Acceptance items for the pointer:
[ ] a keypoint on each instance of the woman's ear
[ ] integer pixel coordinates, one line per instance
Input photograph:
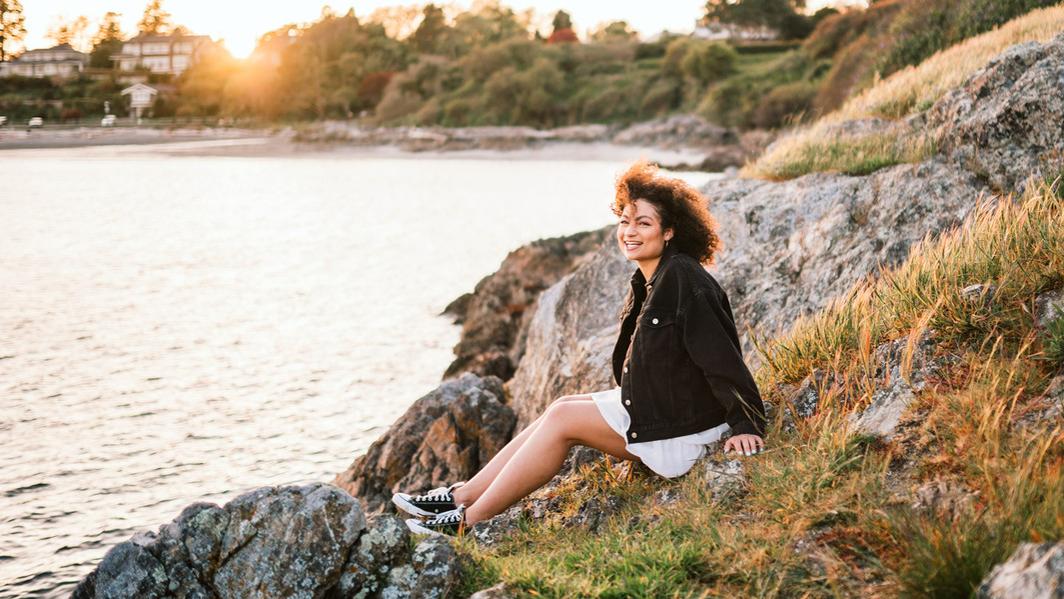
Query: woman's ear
(668, 234)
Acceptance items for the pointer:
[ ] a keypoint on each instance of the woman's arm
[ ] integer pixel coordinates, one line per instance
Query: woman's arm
(711, 340)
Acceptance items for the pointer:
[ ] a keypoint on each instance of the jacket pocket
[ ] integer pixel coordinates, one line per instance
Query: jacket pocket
(656, 340)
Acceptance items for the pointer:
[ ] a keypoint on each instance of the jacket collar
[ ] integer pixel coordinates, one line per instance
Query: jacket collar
(639, 281)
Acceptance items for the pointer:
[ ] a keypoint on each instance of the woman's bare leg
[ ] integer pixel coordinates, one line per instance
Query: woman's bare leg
(474, 487)
(540, 456)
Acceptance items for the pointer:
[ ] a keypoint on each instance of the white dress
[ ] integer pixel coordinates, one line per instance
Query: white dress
(667, 457)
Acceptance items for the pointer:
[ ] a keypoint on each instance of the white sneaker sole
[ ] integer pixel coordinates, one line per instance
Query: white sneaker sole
(415, 526)
(402, 503)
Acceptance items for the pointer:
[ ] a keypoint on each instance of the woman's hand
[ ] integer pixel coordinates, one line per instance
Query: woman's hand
(746, 444)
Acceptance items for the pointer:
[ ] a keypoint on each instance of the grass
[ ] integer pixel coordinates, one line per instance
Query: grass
(827, 513)
(902, 94)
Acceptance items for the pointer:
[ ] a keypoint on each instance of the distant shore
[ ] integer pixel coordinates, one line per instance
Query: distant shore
(681, 142)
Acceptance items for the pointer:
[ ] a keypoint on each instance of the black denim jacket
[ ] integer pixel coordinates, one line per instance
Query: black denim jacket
(678, 358)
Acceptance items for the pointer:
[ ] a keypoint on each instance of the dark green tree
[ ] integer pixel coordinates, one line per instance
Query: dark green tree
(107, 41)
(429, 36)
(776, 14)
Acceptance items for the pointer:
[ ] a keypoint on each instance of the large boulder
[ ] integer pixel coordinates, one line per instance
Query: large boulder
(1034, 571)
(1006, 123)
(492, 315)
(571, 335)
(443, 437)
(779, 260)
(269, 542)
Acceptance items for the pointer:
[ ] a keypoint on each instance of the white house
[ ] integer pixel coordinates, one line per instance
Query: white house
(169, 54)
(141, 97)
(731, 32)
(58, 61)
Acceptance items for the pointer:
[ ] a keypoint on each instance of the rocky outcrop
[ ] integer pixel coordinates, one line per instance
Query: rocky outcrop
(571, 335)
(492, 314)
(723, 147)
(1006, 123)
(1034, 571)
(443, 437)
(301, 542)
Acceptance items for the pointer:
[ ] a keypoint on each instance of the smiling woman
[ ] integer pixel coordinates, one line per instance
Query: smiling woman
(682, 382)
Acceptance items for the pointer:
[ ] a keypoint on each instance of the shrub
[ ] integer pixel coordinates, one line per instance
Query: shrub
(709, 62)
(784, 104)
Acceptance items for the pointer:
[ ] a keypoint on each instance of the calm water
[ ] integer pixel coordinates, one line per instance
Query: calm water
(185, 327)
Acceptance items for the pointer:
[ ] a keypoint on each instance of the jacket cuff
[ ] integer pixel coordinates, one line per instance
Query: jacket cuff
(745, 427)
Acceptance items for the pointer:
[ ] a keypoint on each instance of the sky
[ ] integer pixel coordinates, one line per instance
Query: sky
(241, 22)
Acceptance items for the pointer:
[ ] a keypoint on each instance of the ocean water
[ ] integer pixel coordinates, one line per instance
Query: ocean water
(186, 323)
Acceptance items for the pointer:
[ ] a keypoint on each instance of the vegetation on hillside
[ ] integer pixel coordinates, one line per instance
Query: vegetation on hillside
(821, 147)
(826, 512)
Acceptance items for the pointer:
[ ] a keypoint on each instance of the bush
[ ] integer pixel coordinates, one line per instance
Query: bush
(709, 62)
(785, 104)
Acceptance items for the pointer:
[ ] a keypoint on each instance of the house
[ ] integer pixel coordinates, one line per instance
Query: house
(164, 54)
(730, 32)
(58, 61)
(141, 97)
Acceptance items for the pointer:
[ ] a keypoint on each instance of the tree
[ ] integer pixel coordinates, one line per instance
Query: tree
(612, 32)
(562, 20)
(428, 37)
(775, 14)
(107, 41)
(155, 20)
(709, 62)
(73, 32)
(12, 26)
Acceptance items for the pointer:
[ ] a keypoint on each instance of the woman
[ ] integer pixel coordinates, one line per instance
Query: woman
(678, 363)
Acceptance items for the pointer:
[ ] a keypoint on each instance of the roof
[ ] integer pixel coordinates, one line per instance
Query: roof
(59, 48)
(154, 37)
(139, 87)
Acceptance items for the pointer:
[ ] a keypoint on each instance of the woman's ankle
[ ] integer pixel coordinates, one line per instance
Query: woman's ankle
(462, 495)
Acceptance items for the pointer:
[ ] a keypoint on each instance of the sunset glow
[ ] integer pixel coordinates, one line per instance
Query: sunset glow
(240, 23)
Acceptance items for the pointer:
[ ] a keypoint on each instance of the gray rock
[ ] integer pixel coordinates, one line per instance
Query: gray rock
(491, 316)
(437, 566)
(893, 397)
(571, 335)
(1007, 120)
(499, 591)
(681, 130)
(1034, 571)
(594, 512)
(1045, 411)
(270, 542)
(383, 546)
(1049, 307)
(725, 477)
(444, 437)
(946, 499)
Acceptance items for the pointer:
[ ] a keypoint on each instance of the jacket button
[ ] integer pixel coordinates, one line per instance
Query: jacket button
(655, 321)
(634, 435)
(627, 402)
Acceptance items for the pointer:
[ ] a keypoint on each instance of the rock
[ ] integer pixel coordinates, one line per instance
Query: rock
(571, 335)
(270, 542)
(499, 591)
(1007, 119)
(492, 314)
(682, 130)
(1049, 307)
(499, 527)
(804, 400)
(383, 546)
(1048, 408)
(594, 512)
(1034, 571)
(444, 437)
(946, 499)
(893, 397)
(979, 295)
(725, 477)
(780, 260)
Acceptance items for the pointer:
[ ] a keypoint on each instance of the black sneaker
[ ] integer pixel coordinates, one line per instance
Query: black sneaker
(450, 523)
(434, 502)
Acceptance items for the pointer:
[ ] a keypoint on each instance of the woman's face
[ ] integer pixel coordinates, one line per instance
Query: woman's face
(639, 232)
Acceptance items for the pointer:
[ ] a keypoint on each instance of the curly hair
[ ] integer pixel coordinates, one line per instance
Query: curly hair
(680, 207)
